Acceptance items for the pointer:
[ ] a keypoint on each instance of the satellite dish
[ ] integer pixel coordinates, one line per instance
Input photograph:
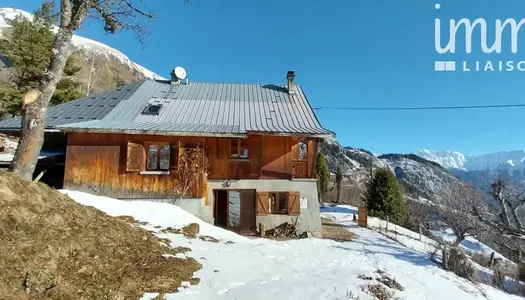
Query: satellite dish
(180, 72)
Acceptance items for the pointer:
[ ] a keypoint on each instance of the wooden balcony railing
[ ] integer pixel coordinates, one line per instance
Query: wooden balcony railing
(300, 169)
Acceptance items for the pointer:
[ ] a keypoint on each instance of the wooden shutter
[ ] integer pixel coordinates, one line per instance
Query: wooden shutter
(294, 203)
(262, 203)
(135, 157)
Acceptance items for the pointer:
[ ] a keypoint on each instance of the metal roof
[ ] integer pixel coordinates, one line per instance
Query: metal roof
(94, 107)
(195, 108)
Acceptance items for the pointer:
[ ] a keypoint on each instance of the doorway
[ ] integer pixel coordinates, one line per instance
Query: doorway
(235, 210)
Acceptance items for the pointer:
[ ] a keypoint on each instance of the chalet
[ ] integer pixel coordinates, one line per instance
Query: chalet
(261, 142)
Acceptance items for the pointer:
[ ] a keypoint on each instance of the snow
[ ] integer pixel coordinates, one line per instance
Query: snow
(298, 269)
(8, 157)
(84, 44)
(514, 160)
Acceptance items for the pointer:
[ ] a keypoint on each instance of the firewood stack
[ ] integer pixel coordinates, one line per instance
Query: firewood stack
(285, 230)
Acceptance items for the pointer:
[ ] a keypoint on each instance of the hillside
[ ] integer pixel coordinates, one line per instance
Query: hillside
(110, 66)
(236, 267)
(420, 178)
(54, 248)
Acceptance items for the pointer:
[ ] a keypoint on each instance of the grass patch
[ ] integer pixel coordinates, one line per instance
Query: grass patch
(54, 248)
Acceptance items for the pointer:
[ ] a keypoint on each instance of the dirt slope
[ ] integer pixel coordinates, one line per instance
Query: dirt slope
(54, 248)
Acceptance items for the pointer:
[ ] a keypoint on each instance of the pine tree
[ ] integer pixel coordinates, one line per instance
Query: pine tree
(28, 46)
(338, 183)
(384, 198)
(322, 174)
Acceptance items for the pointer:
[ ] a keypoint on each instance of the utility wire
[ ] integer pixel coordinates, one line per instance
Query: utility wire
(421, 107)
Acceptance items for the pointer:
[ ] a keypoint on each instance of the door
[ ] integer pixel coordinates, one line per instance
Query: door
(235, 210)
(248, 226)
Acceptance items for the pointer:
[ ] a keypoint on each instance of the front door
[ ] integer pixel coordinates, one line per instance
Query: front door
(235, 210)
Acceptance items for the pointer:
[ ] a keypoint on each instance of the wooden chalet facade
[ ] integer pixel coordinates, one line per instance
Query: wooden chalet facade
(260, 141)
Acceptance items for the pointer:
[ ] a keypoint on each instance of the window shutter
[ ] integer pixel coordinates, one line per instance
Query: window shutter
(262, 203)
(294, 203)
(135, 157)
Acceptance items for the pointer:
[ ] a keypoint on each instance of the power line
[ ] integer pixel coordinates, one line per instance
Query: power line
(422, 107)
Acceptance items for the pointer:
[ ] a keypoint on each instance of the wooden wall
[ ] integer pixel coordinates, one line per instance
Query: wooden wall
(97, 162)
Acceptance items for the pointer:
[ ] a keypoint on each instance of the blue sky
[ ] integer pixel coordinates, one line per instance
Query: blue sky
(358, 53)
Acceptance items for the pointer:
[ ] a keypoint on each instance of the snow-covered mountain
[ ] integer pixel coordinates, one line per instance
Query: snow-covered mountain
(113, 67)
(513, 161)
(420, 178)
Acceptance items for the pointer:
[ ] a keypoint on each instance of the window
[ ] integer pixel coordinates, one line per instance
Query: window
(158, 157)
(239, 148)
(303, 150)
(278, 203)
(152, 109)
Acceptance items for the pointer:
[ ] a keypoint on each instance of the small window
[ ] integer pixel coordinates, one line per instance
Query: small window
(152, 109)
(278, 202)
(239, 148)
(158, 157)
(302, 150)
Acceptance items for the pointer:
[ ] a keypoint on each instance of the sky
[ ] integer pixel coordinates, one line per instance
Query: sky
(347, 53)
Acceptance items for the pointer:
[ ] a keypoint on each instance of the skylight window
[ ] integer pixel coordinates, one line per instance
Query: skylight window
(152, 109)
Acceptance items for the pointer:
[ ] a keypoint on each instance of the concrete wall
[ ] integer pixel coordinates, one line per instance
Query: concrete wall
(309, 218)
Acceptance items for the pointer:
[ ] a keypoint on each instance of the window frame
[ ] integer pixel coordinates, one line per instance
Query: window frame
(146, 111)
(304, 141)
(239, 149)
(270, 204)
(159, 156)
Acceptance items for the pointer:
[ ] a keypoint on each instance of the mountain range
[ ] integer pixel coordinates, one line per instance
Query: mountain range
(103, 67)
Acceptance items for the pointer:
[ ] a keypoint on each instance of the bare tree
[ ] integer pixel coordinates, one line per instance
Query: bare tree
(115, 15)
(510, 198)
(191, 166)
(459, 208)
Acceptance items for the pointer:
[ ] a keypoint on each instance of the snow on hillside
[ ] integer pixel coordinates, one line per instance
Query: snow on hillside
(297, 269)
(508, 160)
(447, 159)
(85, 45)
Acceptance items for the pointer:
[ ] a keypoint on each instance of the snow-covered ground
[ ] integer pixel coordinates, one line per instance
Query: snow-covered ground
(251, 268)
(83, 44)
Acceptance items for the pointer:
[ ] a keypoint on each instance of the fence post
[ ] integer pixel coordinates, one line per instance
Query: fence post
(420, 232)
(444, 257)
(387, 221)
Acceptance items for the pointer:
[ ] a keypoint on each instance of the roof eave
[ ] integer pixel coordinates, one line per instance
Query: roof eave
(152, 132)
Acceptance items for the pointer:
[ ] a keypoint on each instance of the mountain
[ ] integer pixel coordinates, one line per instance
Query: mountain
(420, 178)
(513, 161)
(103, 67)
(480, 170)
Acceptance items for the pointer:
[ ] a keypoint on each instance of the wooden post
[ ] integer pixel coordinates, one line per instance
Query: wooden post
(387, 223)
(261, 229)
(444, 259)
(420, 232)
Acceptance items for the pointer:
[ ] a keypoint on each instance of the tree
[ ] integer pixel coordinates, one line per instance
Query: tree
(338, 183)
(384, 198)
(28, 47)
(459, 207)
(510, 198)
(191, 165)
(115, 15)
(322, 174)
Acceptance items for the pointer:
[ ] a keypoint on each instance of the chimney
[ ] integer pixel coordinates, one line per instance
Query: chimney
(290, 76)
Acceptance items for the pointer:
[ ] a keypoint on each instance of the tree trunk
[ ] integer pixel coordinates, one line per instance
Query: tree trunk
(34, 113)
